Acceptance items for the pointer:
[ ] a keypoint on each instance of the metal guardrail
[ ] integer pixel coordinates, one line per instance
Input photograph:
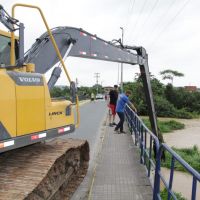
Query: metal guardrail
(189, 169)
(150, 157)
(147, 141)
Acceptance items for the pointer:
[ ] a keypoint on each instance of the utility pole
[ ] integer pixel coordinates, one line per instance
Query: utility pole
(121, 85)
(118, 73)
(76, 82)
(97, 76)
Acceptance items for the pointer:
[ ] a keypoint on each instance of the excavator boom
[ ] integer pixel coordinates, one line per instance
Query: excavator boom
(86, 45)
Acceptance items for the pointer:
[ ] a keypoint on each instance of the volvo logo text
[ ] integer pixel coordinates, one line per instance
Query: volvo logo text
(30, 79)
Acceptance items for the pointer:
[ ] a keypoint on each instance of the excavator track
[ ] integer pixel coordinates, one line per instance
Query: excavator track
(50, 171)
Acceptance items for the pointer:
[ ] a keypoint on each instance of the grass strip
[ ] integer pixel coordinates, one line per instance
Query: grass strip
(164, 195)
(190, 155)
(166, 126)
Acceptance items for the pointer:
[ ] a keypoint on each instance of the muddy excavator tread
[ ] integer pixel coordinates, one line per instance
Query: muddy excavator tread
(50, 170)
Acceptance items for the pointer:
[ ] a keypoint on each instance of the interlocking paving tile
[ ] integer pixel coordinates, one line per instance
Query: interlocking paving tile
(119, 175)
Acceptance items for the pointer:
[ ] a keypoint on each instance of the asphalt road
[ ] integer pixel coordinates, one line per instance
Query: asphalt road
(92, 115)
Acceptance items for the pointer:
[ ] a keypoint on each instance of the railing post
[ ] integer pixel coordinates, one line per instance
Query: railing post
(171, 177)
(145, 145)
(135, 127)
(150, 156)
(141, 145)
(156, 188)
(194, 188)
(137, 130)
(131, 123)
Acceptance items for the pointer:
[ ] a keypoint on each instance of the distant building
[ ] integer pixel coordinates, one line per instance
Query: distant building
(191, 88)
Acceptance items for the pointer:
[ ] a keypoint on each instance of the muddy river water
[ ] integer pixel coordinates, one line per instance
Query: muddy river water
(188, 137)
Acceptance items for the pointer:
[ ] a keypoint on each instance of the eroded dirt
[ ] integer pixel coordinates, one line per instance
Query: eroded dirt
(48, 171)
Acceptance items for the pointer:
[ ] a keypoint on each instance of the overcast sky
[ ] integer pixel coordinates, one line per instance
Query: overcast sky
(168, 29)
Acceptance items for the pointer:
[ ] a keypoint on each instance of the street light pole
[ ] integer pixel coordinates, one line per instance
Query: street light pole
(121, 85)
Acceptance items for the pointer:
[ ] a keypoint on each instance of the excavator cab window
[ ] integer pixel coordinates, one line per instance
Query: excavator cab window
(4, 50)
(73, 91)
(5, 45)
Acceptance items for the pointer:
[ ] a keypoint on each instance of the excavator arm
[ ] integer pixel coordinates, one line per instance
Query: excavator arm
(85, 45)
(79, 43)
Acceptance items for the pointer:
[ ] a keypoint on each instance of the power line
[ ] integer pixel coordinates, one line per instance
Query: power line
(140, 13)
(159, 21)
(149, 15)
(130, 12)
(170, 22)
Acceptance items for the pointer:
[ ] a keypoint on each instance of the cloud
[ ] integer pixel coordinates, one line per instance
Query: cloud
(177, 47)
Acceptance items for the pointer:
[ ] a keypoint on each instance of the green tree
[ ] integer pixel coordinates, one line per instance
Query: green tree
(56, 92)
(170, 74)
(170, 93)
(169, 101)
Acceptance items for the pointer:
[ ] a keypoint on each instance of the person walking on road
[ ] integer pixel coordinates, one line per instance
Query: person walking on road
(113, 94)
(92, 96)
(121, 103)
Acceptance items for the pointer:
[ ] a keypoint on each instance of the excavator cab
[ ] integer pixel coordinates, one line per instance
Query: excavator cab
(5, 47)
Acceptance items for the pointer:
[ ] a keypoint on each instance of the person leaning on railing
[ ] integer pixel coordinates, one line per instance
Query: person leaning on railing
(121, 103)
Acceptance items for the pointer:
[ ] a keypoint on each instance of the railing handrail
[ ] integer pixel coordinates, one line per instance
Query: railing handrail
(181, 161)
(149, 131)
(143, 141)
(138, 129)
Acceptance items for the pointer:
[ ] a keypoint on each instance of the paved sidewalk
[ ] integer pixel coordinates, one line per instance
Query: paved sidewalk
(119, 175)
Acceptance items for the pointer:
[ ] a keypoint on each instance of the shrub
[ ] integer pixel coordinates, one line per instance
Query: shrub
(164, 195)
(190, 155)
(163, 107)
(182, 113)
(166, 126)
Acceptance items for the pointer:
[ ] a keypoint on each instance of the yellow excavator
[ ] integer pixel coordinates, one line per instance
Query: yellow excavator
(29, 167)
(28, 115)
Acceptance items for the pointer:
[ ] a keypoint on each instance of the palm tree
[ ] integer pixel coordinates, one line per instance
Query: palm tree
(170, 74)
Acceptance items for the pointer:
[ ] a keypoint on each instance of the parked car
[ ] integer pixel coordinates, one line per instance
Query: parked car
(99, 96)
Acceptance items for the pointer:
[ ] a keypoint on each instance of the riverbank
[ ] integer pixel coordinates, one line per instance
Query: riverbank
(185, 138)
